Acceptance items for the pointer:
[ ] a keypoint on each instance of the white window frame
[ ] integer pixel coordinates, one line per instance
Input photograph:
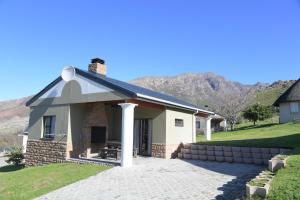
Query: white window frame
(179, 120)
(52, 127)
(294, 107)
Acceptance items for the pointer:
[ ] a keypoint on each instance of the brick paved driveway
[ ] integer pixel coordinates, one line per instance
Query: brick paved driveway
(152, 178)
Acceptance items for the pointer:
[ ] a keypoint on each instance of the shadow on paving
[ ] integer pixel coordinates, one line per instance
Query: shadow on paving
(236, 188)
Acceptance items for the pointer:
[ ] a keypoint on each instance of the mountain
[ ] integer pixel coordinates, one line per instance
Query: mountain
(13, 119)
(209, 88)
(202, 88)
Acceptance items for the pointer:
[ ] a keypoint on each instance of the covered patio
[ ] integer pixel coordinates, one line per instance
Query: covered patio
(99, 130)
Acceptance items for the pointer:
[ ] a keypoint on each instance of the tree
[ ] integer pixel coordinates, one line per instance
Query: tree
(231, 105)
(257, 112)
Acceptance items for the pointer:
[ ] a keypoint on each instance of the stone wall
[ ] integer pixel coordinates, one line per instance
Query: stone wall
(249, 155)
(158, 150)
(165, 150)
(43, 152)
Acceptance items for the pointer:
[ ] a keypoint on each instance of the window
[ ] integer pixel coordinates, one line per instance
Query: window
(49, 127)
(198, 124)
(179, 122)
(294, 106)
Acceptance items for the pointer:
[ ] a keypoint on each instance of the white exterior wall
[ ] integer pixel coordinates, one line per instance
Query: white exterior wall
(176, 134)
(285, 114)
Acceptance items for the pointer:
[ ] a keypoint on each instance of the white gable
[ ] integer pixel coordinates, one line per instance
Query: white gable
(87, 87)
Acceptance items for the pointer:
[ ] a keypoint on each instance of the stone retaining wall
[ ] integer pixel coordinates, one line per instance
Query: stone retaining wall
(43, 152)
(249, 155)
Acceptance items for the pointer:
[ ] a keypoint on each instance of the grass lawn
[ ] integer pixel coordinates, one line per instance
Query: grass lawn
(286, 184)
(263, 135)
(28, 183)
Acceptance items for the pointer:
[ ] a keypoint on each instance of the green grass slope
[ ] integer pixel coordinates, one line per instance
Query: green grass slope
(28, 183)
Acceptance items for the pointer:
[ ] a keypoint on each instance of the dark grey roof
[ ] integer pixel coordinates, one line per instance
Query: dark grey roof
(128, 89)
(291, 94)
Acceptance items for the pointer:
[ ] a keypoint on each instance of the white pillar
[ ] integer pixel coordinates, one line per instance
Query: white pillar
(194, 129)
(207, 130)
(127, 133)
(24, 142)
(225, 125)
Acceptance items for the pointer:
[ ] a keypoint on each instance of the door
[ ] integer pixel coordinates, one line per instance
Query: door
(143, 136)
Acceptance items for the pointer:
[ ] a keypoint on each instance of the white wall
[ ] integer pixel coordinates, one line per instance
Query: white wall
(285, 114)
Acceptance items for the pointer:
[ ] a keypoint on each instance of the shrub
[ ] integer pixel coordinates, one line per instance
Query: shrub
(258, 112)
(15, 156)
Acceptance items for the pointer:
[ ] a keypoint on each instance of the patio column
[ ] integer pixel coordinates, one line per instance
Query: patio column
(207, 130)
(127, 133)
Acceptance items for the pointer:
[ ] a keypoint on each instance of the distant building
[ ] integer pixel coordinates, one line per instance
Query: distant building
(218, 123)
(289, 103)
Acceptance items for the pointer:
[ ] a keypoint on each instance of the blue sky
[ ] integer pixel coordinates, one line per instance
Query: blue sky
(247, 41)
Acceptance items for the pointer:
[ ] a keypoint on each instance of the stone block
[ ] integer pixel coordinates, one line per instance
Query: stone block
(187, 150)
(211, 158)
(246, 155)
(202, 147)
(194, 147)
(228, 153)
(237, 159)
(227, 149)
(229, 159)
(255, 150)
(202, 152)
(265, 150)
(202, 157)
(237, 154)
(218, 148)
(180, 155)
(220, 158)
(210, 148)
(210, 153)
(245, 150)
(257, 155)
(236, 149)
(194, 152)
(187, 156)
(266, 156)
(219, 153)
(195, 157)
(274, 151)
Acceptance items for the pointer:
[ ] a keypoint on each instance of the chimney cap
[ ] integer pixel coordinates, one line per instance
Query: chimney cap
(98, 60)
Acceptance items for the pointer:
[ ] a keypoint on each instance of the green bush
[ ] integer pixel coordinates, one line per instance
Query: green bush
(15, 156)
(258, 112)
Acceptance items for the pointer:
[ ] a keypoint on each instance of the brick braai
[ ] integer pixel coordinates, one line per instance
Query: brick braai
(44, 152)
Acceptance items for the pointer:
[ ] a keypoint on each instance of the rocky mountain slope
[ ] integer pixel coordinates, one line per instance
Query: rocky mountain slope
(203, 88)
(13, 119)
(209, 88)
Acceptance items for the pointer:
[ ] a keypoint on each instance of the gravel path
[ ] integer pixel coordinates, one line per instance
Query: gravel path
(161, 179)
